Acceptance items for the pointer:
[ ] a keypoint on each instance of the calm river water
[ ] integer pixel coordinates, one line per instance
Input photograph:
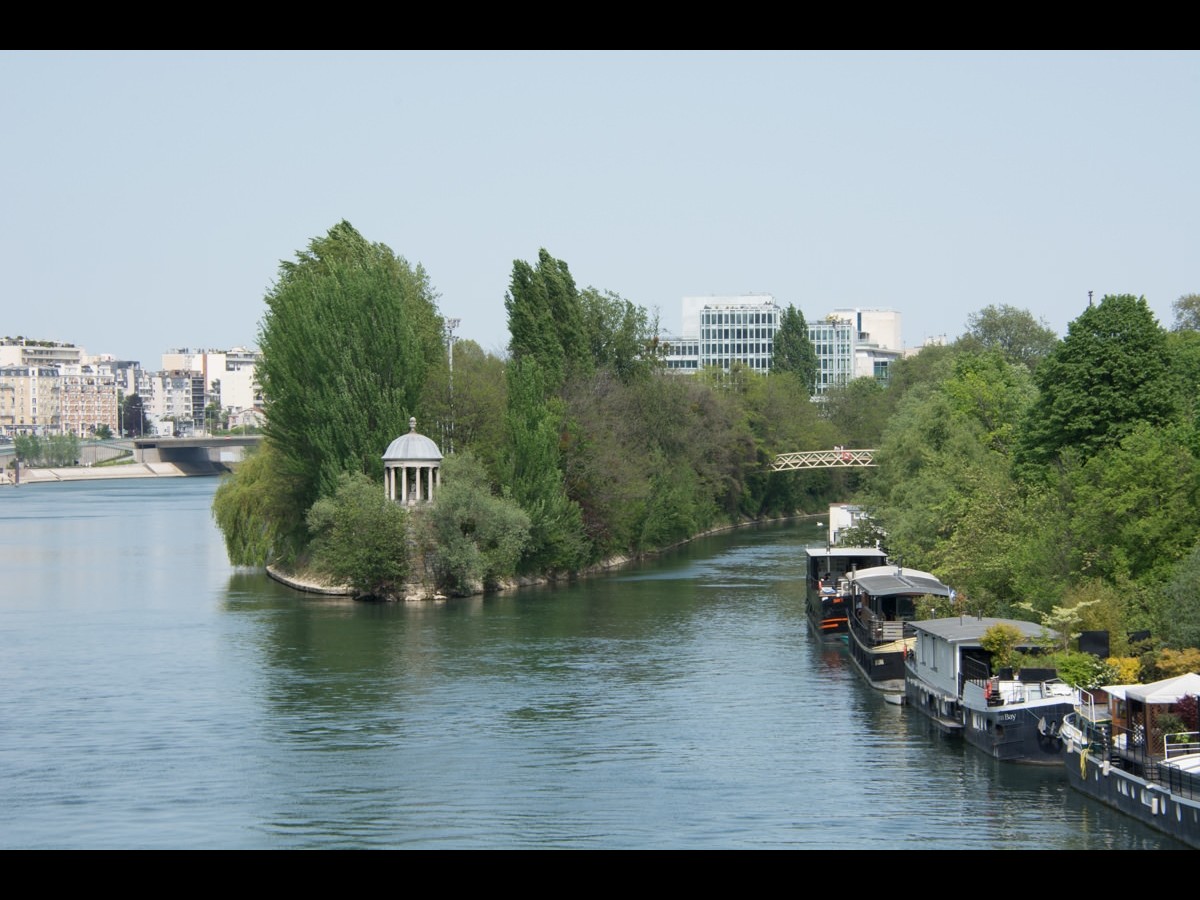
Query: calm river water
(151, 696)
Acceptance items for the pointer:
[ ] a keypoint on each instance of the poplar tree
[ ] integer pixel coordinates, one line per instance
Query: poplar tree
(546, 320)
(794, 351)
(350, 333)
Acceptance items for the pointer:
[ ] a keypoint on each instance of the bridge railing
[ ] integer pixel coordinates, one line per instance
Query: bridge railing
(837, 458)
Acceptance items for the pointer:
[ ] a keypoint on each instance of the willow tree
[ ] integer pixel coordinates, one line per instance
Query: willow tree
(350, 333)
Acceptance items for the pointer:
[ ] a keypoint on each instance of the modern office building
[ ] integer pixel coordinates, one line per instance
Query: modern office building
(718, 331)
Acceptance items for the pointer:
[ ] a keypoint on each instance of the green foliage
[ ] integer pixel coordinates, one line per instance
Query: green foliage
(1179, 618)
(864, 533)
(56, 450)
(1187, 313)
(546, 320)
(360, 538)
(350, 332)
(794, 351)
(1134, 504)
(934, 607)
(677, 510)
(620, 336)
(103, 432)
(255, 509)
(857, 412)
(1110, 373)
(1001, 641)
(475, 539)
(28, 448)
(1013, 332)
(468, 409)
(133, 415)
(533, 474)
(1081, 670)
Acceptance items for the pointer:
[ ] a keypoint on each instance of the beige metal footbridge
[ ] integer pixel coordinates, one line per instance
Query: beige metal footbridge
(837, 458)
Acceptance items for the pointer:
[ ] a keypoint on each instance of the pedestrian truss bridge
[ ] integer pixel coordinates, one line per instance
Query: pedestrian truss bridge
(837, 458)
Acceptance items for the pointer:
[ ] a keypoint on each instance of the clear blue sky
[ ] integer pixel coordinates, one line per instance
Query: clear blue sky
(148, 197)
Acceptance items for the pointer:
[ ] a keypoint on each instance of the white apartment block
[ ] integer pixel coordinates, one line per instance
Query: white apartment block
(227, 377)
(23, 352)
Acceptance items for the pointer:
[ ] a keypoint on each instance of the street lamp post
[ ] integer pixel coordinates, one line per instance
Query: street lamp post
(451, 324)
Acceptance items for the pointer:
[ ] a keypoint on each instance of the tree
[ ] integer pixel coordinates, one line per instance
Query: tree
(468, 404)
(1001, 641)
(1187, 313)
(1014, 332)
(360, 537)
(533, 474)
(133, 415)
(1179, 616)
(350, 332)
(620, 336)
(474, 538)
(857, 411)
(1110, 372)
(546, 320)
(256, 509)
(103, 432)
(794, 351)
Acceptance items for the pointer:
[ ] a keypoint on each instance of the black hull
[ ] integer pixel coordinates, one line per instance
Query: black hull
(1028, 735)
(829, 628)
(1147, 801)
(882, 669)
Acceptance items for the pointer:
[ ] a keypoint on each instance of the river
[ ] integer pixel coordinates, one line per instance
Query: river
(154, 697)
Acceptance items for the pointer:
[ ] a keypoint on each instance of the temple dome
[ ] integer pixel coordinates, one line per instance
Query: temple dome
(412, 446)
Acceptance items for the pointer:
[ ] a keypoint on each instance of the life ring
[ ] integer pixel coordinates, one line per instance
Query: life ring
(987, 691)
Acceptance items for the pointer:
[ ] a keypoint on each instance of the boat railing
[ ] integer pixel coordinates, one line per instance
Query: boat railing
(879, 629)
(1181, 743)
(1086, 706)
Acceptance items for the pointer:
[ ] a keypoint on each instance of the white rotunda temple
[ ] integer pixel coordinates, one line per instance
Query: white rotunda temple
(410, 467)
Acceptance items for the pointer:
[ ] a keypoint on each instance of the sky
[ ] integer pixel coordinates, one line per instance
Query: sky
(149, 197)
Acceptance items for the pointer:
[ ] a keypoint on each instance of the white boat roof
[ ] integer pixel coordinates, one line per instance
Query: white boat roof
(848, 552)
(970, 629)
(1169, 690)
(882, 580)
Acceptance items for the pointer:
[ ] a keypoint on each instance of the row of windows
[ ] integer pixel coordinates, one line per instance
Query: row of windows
(737, 334)
(738, 318)
(720, 349)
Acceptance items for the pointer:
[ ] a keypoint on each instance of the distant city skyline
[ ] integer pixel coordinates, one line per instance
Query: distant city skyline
(150, 196)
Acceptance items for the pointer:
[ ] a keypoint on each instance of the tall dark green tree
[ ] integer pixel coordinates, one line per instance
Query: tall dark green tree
(1108, 374)
(794, 351)
(349, 334)
(546, 320)
(133, 415)
(533, 473)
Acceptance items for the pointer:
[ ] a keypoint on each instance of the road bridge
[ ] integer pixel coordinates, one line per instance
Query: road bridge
(837, 458)
(222, 452)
